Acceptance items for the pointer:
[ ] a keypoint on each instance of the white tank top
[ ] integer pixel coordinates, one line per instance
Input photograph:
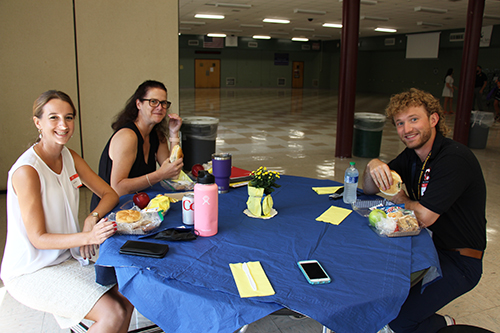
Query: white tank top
(60, 205)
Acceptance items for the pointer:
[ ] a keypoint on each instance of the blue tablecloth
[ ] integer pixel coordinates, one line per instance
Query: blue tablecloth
(192, 288)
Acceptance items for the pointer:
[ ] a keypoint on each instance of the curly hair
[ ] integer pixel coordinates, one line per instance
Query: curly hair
(130, 112)
(415, 97)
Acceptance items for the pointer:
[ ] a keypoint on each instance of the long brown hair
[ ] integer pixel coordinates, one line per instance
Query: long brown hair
(130, 112)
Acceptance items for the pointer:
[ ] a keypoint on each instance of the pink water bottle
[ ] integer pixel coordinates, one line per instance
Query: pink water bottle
(206, 205)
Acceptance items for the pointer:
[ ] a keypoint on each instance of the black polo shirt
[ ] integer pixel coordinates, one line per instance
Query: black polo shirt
(450, 184)
(480, 79)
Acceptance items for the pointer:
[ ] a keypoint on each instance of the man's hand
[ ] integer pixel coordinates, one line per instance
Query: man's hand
(376, 176)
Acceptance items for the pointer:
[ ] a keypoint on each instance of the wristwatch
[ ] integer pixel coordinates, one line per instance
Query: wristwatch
(95, 214)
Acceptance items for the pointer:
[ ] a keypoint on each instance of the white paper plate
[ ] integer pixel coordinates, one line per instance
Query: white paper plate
(274, 212)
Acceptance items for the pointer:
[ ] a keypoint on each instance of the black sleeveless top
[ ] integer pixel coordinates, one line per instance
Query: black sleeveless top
(139, 168)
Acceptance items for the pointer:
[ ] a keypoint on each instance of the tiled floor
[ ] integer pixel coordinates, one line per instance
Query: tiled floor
(293, 131)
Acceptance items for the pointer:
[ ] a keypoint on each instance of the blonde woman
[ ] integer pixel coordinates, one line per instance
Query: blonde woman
(46, 260)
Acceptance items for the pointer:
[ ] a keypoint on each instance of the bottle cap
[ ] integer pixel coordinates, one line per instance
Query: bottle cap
(205, 177)
(352, 163)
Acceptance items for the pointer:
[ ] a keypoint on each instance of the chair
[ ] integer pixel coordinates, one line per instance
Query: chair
(82, 328)
(463, 329)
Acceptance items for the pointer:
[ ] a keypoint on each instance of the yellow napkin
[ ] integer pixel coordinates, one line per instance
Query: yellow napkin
(334, 215)
(326, 190)
(264, 287)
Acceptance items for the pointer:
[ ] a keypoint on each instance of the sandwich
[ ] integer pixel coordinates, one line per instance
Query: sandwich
(128, 216)
(396, 185)
(176, 153)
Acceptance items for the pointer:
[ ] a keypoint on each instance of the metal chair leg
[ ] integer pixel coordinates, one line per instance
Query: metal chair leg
(327, 330)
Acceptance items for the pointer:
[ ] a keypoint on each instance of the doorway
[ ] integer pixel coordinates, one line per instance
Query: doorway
(298, 74)
(207, 73)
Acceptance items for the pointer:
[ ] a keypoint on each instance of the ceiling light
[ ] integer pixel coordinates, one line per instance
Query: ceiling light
(268, 20)
(494, 17)
(216, 35)
(307, 11)
(332, 25)
(374, 18)
(261, 37)
(192, 22)
(234, 5)
(251, 26)
(430, 24)
(302, 29)
(431, 10)
(300, 39)
(210, 16)
(385, 30)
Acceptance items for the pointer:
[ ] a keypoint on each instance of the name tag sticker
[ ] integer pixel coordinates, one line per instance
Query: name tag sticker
(75, 181)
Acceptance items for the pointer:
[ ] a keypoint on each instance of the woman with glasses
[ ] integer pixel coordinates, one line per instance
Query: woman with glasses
(128, 162)
(46, 264)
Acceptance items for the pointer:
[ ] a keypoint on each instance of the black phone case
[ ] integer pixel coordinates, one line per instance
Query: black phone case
(145, 249)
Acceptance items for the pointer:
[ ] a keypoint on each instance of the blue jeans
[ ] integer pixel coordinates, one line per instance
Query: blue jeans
(418, 313)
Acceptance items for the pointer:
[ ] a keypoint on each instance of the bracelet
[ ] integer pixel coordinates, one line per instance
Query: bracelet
(147, 178)
(174, 139)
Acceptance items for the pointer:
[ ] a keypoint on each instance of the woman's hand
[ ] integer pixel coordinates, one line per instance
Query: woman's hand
(174, 124)
(170, 170)
(98, 234)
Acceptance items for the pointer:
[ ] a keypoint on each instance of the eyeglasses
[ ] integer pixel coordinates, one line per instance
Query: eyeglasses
(154, 103)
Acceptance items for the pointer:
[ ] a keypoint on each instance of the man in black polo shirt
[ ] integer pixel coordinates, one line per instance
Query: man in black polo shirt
(447, 192)
(479, 86)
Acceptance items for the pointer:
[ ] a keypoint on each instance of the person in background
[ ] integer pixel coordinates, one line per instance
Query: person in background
(479, 86)
(46, 264)
(496, 103)
(448, 91)
(128, 162)
(447, 192)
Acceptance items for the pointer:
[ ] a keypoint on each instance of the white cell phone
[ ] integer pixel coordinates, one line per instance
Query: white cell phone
(313, 271)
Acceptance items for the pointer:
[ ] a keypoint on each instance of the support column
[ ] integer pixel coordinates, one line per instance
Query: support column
(347, 80)
(472, 38)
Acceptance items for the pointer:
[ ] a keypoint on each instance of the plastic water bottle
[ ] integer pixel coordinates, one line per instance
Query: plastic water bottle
(206, 205)
(350, 183)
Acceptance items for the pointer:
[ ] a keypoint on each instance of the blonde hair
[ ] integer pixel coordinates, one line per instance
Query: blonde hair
(46, 97)
(415, 98)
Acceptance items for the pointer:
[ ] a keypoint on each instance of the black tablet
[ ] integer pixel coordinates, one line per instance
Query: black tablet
(145, 249)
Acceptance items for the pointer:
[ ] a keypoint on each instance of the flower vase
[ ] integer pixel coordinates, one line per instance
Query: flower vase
(258, 204)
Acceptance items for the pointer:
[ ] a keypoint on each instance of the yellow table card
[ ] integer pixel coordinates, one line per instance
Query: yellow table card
(263, 286)
(334, 215)
(326, 190)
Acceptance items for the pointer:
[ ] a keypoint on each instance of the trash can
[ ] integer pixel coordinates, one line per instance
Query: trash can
(198, 140)
(367, 134)
(480, 123)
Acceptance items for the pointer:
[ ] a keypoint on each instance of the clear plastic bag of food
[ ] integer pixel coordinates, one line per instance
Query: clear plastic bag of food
(393, 221)
(135, 221)
(182, 183)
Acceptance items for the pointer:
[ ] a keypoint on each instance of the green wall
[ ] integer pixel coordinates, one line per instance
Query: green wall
(381, 68)
(252, 67)
(384, 69)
